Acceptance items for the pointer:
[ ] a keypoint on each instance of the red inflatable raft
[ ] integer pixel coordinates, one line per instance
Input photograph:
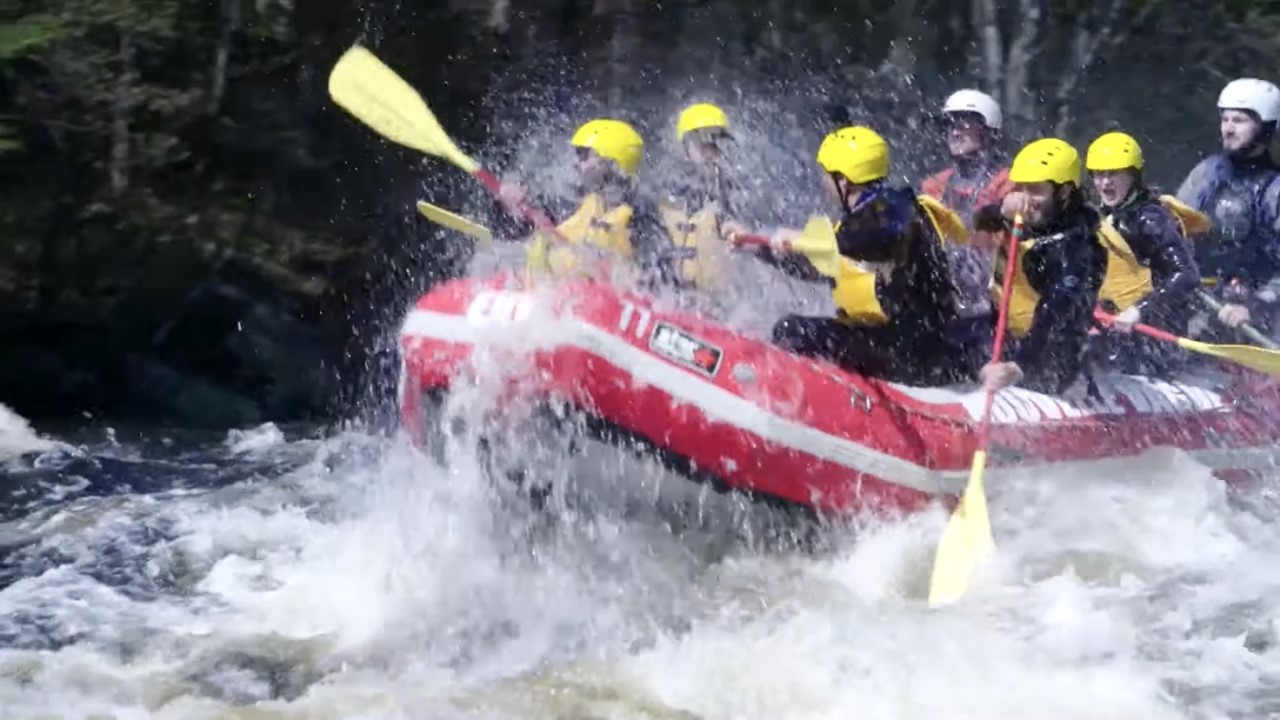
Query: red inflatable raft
(718, 405)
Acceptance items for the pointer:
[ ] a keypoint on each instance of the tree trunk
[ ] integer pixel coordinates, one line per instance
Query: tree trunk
(228, 25)
(986, 23)
(776, 14)
(122, 116)
(908, 29)
(1018, 98)
(623, 43)
(1091, 39)
(499, 19)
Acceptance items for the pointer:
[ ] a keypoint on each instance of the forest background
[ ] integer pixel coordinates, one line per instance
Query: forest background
(191, 232)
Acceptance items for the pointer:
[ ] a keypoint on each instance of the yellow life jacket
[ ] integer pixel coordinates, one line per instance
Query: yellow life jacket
(1126, 280)
(855, 291)
(590, 227)
(1022, 297)
(1191, 222)
(696, 231)
(855, 295)
(946, 223)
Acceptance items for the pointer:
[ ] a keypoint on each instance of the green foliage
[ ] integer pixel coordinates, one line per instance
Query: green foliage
(18, 38)
(8, 141)
(26, 34)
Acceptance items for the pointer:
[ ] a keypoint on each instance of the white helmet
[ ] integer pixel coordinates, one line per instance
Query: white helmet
(1253, 94)
(975, 101)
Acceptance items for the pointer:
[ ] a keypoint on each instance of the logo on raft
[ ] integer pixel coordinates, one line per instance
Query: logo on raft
(675, 344)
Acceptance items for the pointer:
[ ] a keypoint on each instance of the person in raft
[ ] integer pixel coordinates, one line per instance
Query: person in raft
(697, 206)
(612, 227)
(975, 178)
(1155, 236)
(1238, 189)
(893, 292)
(1060, 267)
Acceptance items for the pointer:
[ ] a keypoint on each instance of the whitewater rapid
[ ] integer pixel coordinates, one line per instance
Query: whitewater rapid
(294, 573)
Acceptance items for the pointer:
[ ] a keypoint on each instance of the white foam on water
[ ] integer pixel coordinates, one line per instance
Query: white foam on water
(17, 437)
(399, 588)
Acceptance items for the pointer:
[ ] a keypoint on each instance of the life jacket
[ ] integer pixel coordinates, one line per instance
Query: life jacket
(949, 227)
(590, 227)
(702, 252)
(965, 200)
(1191, 222)
(1126, 280)
(855, 292)
(1022, 297)
(1232, 195)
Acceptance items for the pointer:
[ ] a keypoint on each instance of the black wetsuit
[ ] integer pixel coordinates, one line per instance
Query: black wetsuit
(888, 226)
(1066, 267)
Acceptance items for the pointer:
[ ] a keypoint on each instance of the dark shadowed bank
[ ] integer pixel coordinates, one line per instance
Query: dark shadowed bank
(193, 233)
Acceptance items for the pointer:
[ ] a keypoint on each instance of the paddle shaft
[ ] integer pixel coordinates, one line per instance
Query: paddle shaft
(539, 217)
(1002, 325)
(1151, 332)
(1249, 331)
(753, 240)
(967, 537)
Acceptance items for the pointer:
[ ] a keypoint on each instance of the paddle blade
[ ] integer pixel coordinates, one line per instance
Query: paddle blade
(443, 217)
(817, 242)
(372, 92)
(966, 541)
(1255, 358)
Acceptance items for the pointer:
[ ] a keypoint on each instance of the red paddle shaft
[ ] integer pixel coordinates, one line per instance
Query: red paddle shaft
(1002, 323)
(750, 240)
(1151, 332)
(537, 216)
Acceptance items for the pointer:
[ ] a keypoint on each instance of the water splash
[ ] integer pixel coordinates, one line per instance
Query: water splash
(17, 438)
(352, 577)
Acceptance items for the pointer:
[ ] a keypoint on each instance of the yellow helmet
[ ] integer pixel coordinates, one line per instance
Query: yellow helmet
(700, 117)
(1114, 151)
(1046, 160)
(858, 153)
(613, 140)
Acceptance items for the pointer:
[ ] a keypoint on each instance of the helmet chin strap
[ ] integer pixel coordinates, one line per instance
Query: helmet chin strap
(843, 190)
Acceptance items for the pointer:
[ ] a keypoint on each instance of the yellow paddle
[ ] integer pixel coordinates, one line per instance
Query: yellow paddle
(440, 216)
(1262, 360)
(817, 242)
(375, 95)
(967, 539)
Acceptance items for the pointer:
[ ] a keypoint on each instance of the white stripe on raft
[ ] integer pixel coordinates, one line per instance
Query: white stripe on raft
(721, 405)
